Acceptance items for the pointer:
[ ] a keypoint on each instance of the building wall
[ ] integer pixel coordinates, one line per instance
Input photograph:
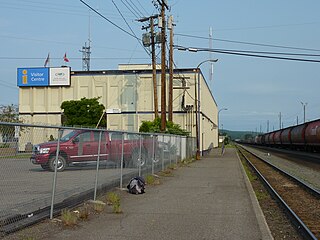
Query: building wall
(131, 91)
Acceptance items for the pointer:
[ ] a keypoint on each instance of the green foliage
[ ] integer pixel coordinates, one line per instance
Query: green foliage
(9, 113)
(114, 200)
(68, 218)
(84, 112)
(226, 140)
(84, 212)
(245, 135)
(155, 127)
(98, 206)
(4, 145)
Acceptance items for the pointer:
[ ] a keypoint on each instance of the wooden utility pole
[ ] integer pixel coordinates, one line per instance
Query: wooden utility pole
(153, 54)
(163, 65)
(154, 70)
(170, 27)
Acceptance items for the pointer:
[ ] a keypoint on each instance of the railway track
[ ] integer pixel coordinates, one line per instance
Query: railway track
(301, 202)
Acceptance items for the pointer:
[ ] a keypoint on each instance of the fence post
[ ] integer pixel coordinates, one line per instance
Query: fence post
(162, 153)
(97, 170)
(121, 162)
(54, 184)
(176, 145)
(153, 154)
(140, 155)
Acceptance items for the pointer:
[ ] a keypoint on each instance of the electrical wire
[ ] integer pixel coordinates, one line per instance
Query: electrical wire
(247, 43)
(130, 9)
(142, 7)
(139, 41)
(273, 53)
(115, 25)
(71, 58)
(196, 49)
(138, 10)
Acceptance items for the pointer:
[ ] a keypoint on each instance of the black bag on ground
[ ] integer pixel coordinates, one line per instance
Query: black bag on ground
(136, 185)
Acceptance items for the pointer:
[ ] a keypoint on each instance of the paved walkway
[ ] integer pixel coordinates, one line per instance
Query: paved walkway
(211, 199)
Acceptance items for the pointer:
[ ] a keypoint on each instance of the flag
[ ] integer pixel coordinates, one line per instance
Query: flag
(47, 61)
(65, 58)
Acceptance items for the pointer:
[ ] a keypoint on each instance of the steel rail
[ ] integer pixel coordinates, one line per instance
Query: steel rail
(300, 225)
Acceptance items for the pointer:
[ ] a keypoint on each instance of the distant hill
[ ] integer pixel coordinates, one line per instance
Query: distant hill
(238, 134)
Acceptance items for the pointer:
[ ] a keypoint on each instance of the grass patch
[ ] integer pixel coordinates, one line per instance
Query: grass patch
(68, 217)
(166, 173)
(98, 206)
(84, 212)
(114, 200)
(261, 195)
(251, 176)
(185, 162)
(18, 156)
(152, 180)
(172, 166)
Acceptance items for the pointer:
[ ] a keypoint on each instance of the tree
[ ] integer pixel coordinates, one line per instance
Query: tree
(9, 114)
(155, 127)
(85, 112)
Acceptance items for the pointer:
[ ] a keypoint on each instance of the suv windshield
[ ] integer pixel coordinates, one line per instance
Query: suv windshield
(68, 136)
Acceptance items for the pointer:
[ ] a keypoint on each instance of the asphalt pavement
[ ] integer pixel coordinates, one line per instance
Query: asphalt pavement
(210, 199)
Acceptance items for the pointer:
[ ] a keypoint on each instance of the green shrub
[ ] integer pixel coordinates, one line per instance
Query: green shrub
(68, 217)
(155, 127)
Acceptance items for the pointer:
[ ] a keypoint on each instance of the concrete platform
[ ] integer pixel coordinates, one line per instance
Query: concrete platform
(211, 199)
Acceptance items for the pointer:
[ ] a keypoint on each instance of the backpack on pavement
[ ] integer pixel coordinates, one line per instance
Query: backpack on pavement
(136, 185)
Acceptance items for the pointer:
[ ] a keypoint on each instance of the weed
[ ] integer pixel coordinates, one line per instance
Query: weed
(152, 180)
(172, 166)
(261, 194)
(28, 238)
(116, 207)
(185, 162)
(84, 212)
(99, 206)
(114, 200)
(68, 217)
(112, 197)
(166, 173)
(249, 174)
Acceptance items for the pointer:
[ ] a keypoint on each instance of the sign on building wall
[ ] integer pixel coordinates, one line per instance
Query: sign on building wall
(29, 77)
(43, 77)
(59, 76)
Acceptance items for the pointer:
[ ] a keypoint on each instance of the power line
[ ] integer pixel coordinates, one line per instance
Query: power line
(133, 11)
(248, 43)
(273, 53)
(72, 58)
(130, 27)
(138, 10)
(117, 26)
(142, 7)
(193, 49)
(7, 85)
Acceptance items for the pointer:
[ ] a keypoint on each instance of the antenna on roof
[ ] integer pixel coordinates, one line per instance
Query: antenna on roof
(86, 50)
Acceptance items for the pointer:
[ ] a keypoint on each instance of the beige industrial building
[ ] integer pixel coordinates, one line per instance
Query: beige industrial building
(127, 94)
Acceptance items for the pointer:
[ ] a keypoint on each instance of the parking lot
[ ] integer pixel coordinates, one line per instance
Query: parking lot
(26, 187)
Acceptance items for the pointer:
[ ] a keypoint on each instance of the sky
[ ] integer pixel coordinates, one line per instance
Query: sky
(254, 90)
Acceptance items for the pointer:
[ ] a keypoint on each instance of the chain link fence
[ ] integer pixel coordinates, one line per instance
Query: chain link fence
(45, 168)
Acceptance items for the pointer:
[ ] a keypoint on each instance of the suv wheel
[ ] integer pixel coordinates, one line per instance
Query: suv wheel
(135, 162)
(61, 163)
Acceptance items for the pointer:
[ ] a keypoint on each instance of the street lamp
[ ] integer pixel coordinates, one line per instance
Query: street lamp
(219, 120)
(304, 111)
(197, 95)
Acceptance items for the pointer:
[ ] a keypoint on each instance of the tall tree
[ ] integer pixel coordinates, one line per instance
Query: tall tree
(85, 112)
(9, 114)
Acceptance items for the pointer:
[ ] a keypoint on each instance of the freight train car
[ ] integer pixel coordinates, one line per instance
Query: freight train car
(305, 136)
